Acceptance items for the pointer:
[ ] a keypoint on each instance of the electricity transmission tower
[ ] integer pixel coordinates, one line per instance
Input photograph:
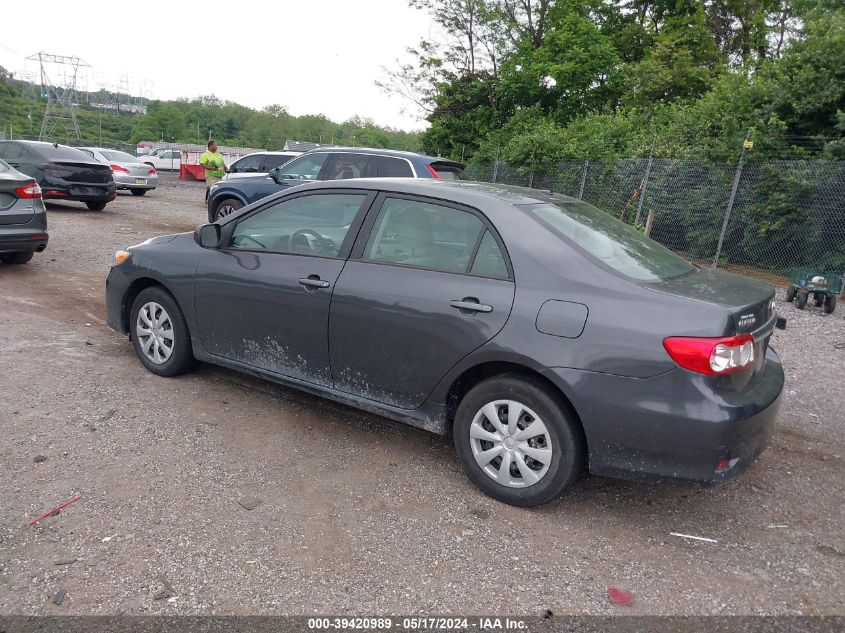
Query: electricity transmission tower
(60, 112)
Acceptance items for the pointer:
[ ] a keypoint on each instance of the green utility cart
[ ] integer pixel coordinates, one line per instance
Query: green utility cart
(823, 286)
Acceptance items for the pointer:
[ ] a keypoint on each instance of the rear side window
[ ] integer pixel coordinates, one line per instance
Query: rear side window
(612, 242)
(387, 167)
(489, 260)
(423, 234)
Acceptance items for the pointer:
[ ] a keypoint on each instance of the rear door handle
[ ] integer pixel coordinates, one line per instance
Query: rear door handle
(470, 306)
(313, 282)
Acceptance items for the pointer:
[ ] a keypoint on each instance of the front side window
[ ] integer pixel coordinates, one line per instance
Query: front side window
(304, 168)
(423, 234)
(343, 166)
(248, 164)
(614, 243)
(307, 225)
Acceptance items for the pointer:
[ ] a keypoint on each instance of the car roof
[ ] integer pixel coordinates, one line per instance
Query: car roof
(464, 191)
(384, 152)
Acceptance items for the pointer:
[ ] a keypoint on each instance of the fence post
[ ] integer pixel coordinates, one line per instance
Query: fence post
(583, 179)
(734, 188)
(645, 185)
(496, 165)
(531, 179)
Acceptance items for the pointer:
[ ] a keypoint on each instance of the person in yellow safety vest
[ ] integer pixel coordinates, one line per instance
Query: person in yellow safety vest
(214, 167)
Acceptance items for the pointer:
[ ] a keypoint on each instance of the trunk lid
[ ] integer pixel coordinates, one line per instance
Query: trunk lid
(747, 300)
(13, 208)
(79, 172)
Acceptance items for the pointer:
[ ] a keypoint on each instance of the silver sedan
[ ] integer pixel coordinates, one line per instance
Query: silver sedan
(128, 171)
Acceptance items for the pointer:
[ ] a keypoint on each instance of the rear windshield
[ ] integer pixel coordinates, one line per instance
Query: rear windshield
(119, 157)
(62, 152)
(448, 172)
(614, 243)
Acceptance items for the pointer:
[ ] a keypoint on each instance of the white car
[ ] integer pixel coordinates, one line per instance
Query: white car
(128, 172)
(165, 160)
(259, 164)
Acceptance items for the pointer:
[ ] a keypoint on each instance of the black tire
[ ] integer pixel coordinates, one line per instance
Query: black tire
(17, 258)
(565, 439)
(225, 207)
(138, 192)
(96, 206)
(819, 299)
(181, 357)
(801, 299)
(830, 304)
(790, 294)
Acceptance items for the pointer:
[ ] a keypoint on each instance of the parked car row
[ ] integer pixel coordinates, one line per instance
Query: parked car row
(33, 172)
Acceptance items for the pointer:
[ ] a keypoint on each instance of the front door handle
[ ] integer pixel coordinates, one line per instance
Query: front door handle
(313, 281)
(470, 305)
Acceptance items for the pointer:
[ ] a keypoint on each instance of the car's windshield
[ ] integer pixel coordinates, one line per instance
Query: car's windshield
(616, 244)
(120, 157)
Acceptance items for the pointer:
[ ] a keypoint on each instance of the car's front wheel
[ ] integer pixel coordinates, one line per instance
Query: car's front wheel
(16, 258)
(160, 334)
(517, 441)
(227, 207)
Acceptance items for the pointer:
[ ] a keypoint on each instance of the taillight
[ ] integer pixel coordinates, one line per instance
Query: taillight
(119, 168)
(29, 191)
(712, 356)
(433, 172)
(151, 172)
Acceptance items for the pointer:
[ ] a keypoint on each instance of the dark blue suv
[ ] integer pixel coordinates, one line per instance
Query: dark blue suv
(328, 163)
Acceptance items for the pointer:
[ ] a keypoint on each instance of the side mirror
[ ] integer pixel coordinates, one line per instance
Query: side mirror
(207, 235)
(275, 174)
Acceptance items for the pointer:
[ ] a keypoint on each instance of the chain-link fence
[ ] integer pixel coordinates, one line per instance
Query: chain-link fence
(758, 217)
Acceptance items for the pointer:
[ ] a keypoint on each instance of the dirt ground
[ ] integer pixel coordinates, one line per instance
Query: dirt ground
(358, 515)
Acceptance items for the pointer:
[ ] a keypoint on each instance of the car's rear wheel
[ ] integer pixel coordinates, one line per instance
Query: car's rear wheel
(17, 258)
(226, 207)
(801, 299)
(96, 206)
(830, 304)
(790, 294)
(517, 441)
(138, 192)
(160, 334)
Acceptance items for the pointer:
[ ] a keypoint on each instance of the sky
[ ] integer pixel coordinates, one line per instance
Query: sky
(317, 57)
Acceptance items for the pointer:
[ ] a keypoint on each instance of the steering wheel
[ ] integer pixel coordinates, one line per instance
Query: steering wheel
(302, 235)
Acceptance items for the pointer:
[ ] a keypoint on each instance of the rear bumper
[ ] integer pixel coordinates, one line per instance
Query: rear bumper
(19, 243)
(81, 193)
(125, 181)
(675, 426)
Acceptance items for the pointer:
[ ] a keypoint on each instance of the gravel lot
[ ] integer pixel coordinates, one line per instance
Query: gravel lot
(358, 514)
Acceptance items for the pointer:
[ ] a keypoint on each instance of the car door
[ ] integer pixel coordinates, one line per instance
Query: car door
(262, 300)
(428, 282)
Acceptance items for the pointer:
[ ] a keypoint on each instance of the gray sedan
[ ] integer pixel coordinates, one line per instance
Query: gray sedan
(545, 336)
(128, 171)
(23, 218)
